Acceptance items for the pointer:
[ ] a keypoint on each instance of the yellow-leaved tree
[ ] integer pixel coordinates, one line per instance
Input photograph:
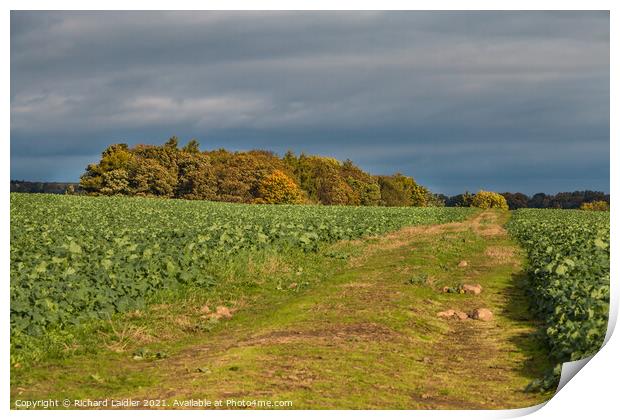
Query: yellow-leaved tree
(489, 200)
(595, 206)
(278, 188)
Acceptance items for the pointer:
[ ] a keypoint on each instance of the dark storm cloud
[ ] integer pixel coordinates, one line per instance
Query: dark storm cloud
(459, 100)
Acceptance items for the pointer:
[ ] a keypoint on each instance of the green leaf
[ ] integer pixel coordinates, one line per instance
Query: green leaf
(74, 248)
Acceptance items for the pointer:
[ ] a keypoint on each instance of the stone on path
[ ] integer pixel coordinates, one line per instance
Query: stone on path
(461, 315)
(452, 314)
(462, 264)
(483, 314)
(446, 314)
(475, 289)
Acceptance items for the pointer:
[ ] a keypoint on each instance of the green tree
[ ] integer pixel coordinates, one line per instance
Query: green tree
(172, 143)
(111, 175)
(290, 160)
(196, 177)
(394, 192)
(401, 190)
(192, 146)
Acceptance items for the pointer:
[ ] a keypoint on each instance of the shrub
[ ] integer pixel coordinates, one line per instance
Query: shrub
(489, 200)
(595, 206)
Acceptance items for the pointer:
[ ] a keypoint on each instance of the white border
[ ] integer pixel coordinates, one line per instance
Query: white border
(591, 394)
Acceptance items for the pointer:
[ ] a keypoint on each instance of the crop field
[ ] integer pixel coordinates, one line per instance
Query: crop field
(80, 258)
(568, 267)
(116, 297)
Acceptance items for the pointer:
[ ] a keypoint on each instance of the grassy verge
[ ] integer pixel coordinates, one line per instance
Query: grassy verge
(249, 279)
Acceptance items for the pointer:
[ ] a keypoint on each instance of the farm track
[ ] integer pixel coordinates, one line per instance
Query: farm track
(368, 337)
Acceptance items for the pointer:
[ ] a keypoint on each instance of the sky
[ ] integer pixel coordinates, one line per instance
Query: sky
(504, 101)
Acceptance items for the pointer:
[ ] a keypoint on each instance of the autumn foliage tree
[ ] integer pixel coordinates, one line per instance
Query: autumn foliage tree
(401, 190)
(256, 176)
(111, 175)
(278, 188)
(329, 181)
(489, 200)
(148, 177)
(238, 174)
(196, 177)
(595, 206)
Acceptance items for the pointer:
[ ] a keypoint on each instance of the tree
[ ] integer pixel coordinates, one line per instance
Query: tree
(111, 175)
(595, 206)
(516, 201)
(148, 177)
(333, 190)
(419, 195)
(115, 182)
(192, 146)
(278, 188)
(393, 191)
(196, 177)
(290, 160)
(539, 201)
(489, 200)
(172, 143)
(401, 190)
(460, 200)
(244, 177)
(326, 180)
(367, 193)
(239, 174)
(436, 200)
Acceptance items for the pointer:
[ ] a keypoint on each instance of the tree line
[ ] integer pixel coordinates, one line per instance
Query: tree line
(562, 200)
(260, 176)
(22, 186)
(255, 176)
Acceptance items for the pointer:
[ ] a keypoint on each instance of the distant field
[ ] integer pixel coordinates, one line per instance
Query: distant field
(78, 258)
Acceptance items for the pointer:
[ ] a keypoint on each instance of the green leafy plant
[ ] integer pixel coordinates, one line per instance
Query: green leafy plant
(81, 258)
(568, 276)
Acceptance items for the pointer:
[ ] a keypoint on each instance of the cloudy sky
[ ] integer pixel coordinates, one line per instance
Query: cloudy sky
(507, 101)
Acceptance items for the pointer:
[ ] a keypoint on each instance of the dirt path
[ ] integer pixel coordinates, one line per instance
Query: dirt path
(370, 336)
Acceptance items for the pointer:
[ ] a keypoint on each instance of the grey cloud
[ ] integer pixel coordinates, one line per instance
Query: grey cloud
(526, 89)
